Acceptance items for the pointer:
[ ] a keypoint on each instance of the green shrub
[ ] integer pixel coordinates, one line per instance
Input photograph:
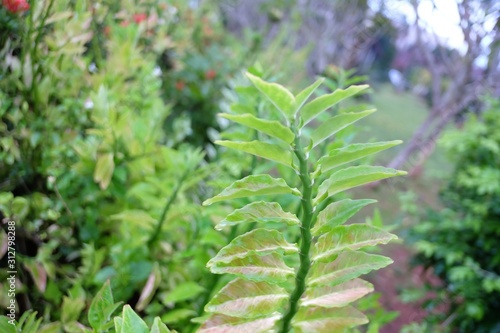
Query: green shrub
(460, 242)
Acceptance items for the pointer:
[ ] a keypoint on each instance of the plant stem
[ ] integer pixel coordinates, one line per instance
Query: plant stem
(171, 199)
(305, 234)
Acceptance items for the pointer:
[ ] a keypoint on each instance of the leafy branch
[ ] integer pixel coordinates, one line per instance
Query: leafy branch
(315, 296)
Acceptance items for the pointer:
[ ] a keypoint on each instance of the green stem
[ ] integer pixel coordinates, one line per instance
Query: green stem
(305, 234)
(171, 199)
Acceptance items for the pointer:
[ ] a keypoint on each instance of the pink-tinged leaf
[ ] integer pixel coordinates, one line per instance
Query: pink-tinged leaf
(338, 213)
(269, 268)
(255, 242)
(224, 324)
(337, 296)
(38, 274)
(253, 185)
(349, 237)
(327, 320)
(149, 288)
(261, 212)
(248, 299)
(348, 265)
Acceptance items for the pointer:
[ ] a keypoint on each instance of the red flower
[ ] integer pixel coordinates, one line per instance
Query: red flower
(138, 18)
(16, 6)
(210, 74)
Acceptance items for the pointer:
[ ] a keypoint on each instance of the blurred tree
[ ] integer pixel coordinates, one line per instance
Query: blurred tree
(458, 77)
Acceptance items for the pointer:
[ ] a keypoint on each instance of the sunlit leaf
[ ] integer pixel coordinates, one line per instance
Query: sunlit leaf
(352, 177)
(322, 103)
(269, 268)
(352, 153)
(352, 237)
(220, 323)
(265, 150)
(253, 185)
(132, 323)
(346, 266)
(337, 213)
(248, 299)
(333, 125)
(261, 212)
(270, 127)
(276, 93)
(304, 95)
(327, 320)
(104, 169)
(258, 241)
(336, 296)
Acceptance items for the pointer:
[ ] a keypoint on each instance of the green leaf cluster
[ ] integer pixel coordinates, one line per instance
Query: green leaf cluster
(306, 285)
(460, 242)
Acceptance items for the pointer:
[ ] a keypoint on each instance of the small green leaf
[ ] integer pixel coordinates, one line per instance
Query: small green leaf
(183, 292)
(265, 150)
(118, 324)
(336, 296)
(97, 312)
(6, 326)
(104, 169)
(304, 95)
(261, 212)
(71, 309)
(324, 320)
(346, 266)
(253, 185)
(276, 93)
(178, 315)
(159, 327)
(248, 299)
(352, 153)
(352, 177)
(335, 124)
(132, 323)
(269, 268)
(338, 213)
(322, 103)
(270, 127)
(352, 237)
(220, 323)
(255, 242)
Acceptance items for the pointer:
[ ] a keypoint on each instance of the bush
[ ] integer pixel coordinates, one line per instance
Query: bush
(460, 242)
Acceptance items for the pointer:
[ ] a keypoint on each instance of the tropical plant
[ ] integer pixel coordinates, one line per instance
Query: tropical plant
(280, 285)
